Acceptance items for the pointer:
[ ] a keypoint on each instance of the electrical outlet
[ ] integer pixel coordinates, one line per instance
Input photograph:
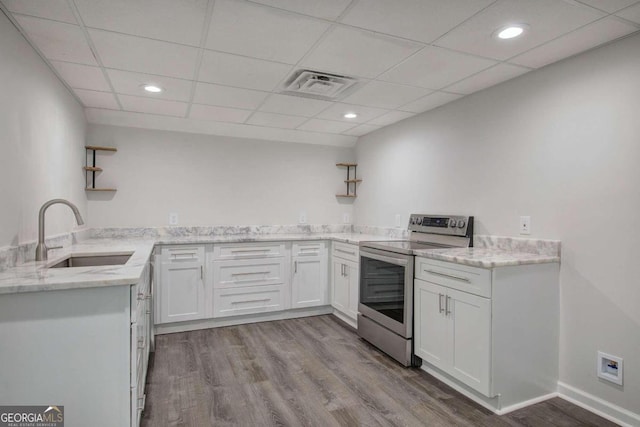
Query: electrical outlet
(345, 218)
(525, 225)
(302, 219)
(173, 219)
(398, 220)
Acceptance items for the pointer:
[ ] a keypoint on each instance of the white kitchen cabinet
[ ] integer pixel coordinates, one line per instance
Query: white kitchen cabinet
(182, 291)
(250, 278)
(309, 284)
(454, 332)
(490, 333)
(345, 281)
(84, 348)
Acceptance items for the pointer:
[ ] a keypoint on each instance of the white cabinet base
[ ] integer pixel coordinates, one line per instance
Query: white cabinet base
(195, 325)
(492, 404)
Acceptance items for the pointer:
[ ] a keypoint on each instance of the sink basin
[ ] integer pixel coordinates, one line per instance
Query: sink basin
(92, 260)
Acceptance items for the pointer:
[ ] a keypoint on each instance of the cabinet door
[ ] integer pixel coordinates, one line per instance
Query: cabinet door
(470, 332)
(182, 292)
(339, 286)
(431, 326)
(352, 272)
(309, 287)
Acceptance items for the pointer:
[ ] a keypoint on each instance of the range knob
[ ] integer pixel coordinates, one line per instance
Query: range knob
(452, 223)
(412, 220)
(418, 220)
(461, 223)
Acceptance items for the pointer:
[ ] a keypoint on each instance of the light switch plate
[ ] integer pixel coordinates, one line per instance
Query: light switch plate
(302, 218)
(525, 225)
(346, 218)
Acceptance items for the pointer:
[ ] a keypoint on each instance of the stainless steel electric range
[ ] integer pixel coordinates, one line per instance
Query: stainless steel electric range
(385, 307)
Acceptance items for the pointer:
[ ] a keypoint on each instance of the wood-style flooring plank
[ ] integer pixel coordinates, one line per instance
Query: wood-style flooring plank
(312, 371)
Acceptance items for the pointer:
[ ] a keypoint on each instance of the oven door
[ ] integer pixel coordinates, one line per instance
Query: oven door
(386, 289)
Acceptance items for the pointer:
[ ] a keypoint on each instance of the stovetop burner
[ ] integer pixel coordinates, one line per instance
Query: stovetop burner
(402, 246)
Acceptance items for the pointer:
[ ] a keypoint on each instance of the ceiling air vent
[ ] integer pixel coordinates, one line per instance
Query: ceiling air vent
(313, 84)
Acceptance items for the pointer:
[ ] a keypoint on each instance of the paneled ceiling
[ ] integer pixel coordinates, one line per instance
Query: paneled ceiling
(223, 63)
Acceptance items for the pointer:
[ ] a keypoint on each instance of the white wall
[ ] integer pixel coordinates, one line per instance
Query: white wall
(561, 144)
(41, 138)
(214, 180)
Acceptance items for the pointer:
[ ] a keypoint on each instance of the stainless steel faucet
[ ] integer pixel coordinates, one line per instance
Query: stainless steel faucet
(41, 249)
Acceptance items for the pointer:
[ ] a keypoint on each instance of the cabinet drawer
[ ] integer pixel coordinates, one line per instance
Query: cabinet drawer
(182, 253)
(248, 250)
(473, 280)
(302, 249)
(248, 300)
(250, 272)
(346, 251)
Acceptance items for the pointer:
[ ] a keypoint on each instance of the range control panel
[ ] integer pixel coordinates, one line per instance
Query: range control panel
(450, 225)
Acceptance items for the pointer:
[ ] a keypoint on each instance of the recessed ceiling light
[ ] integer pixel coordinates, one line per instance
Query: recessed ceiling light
(511, 31)
(152, 88)
(350, 115)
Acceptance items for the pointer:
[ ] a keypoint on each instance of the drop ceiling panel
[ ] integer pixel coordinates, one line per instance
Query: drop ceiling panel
(353, 52)
(130, 53)
(325, 9)
(57, 40)
(435, 68)
(390, 118)
(329, 126)
(487, 78)
(169, 20)
(294, 105)
(385, 95)
(94, 99)
(153, 106)
(575, 42)
(338, 110)
(226, 96)
(82, 76)
(430, 102)
(240, 71)
(130, 83)
(609, 6)
(632, 13)
(422, 20)
(262, 32)
(547, 20)
(276, 120)
(57, 10)
(219, 114)
(361, 130)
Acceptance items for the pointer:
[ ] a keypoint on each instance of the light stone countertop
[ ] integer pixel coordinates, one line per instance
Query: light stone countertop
(34, 276)
(486, 257)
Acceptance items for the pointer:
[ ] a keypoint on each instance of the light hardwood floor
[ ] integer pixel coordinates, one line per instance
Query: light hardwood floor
(311, 372)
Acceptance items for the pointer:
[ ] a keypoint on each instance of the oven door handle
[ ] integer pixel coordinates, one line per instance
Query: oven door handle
(391, 260)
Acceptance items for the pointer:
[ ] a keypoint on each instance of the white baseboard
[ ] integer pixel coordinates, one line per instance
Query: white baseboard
(598, 406)
(346, 319)
(526, 403)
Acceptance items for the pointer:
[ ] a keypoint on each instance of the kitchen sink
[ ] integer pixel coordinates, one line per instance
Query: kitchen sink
(92, 260)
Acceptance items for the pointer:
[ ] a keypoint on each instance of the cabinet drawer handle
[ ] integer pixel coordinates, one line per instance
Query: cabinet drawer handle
(248, 250)
(437, 273)
(346, 269)
(295, 266)
(309, 253)
(440, 309)
(202, 272)
(249, 273)
(253, 300)
(447, 310)
(344, 252)
(148, 312)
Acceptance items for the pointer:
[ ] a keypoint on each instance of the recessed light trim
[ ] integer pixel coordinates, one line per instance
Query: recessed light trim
(152, 88)
(350, 115)
(511, 31)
